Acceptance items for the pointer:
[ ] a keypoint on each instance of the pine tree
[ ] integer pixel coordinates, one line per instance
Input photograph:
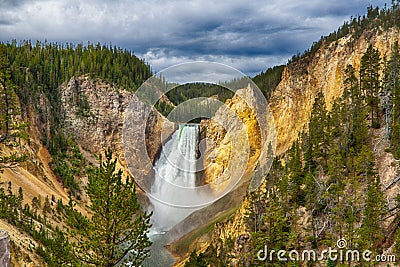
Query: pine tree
(319, 138)
(296, 176)
(58, 250)
(370, 83)
(392, 97)
(11, 130)
(116, 231)
(196, 260)
(371, 231)
(20, 197)
(358, 132)
(35, 205)
(3, 203)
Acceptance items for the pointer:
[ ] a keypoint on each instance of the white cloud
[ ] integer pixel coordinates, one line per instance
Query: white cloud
(161, 59)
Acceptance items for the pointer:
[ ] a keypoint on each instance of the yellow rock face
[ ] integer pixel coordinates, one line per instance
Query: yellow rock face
(238, 140)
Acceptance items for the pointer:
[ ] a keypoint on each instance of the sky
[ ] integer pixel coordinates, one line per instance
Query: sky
(247, 35)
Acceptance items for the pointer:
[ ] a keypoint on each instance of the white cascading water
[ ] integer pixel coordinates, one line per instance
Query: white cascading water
(176, 168)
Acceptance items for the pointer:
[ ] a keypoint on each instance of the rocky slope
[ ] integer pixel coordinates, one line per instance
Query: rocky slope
(94, 116)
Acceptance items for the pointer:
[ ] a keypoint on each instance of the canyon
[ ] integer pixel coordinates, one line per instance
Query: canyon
(93, 115)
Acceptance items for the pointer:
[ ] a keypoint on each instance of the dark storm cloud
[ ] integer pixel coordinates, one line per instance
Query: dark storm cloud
(248, 36)
(5, 22)
(10, 3)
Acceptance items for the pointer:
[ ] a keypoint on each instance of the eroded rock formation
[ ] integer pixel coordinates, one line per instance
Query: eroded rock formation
(4, 249)
(233, 139)
(94, 116)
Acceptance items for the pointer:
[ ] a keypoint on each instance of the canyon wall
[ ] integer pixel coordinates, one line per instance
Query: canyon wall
(94, 116)
(291, 105)
(233, 136)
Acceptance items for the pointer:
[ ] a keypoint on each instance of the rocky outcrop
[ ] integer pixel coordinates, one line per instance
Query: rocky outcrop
(4, 249)
(94, 116)
(233, 140)
(233, 230)
(92, 112)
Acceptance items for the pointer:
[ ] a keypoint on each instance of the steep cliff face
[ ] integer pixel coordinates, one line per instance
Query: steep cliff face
(93, 112)
(233, 136)
(235, 143)
(293, 99)
(94, 116)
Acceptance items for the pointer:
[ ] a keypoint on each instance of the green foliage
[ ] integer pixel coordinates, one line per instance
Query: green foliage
(53, 245)
(395, 141)
(331, 263)
(12, 130)
(328, 176)
(29, 77)
(370, 83)
(116, 230)
(266, 81)
(44, 66)
(57, 250)
(164, 107)
(392, 94)
(318, 138)
(196, 260)
(37, 70)
(8, 202)
(83, 105)
(269, 79)
(397, 244)
(353, 119)
(294, 171)
(371, 231)
(68, 162)
(268, 219)
(190, 91)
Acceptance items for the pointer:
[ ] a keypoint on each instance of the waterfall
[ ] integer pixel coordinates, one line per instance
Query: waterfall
(175, 179)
